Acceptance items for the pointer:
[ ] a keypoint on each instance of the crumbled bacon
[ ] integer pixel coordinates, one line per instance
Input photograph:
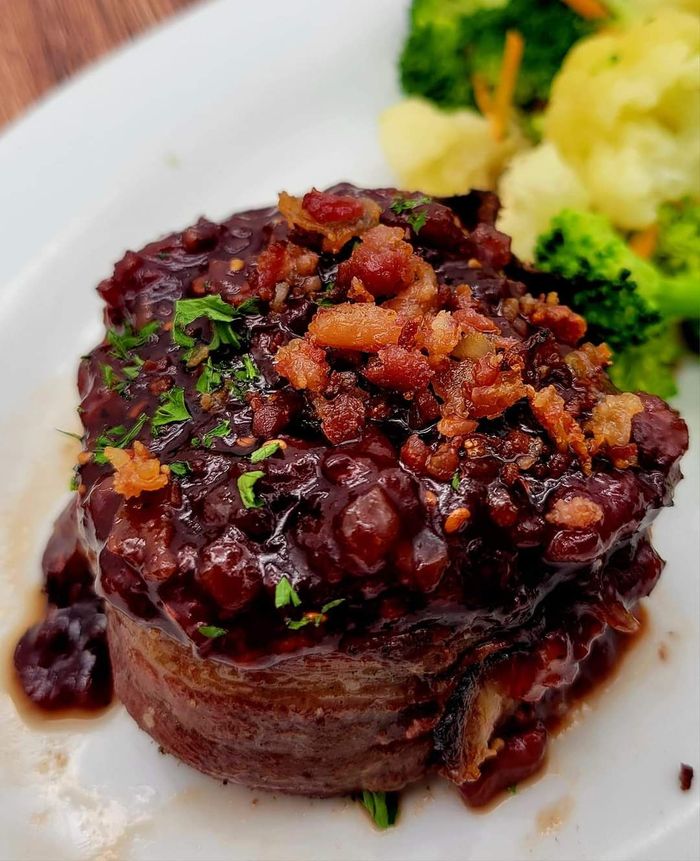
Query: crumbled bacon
(282, 262)
(566, 325)
(467, 314)
(550, 411)
(415, 454)
(339, 222)
(136, 470)
(399, 369)
(443, 462)
(271, 414)
(382, 261)
(303, 364)
(358, 292)
(588, 359)
(576, 512)
(420, 297)
(355, 327)
(343, 418)
(611, 420)
(438, 335)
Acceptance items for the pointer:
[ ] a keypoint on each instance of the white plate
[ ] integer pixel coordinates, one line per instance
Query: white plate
(221, 109)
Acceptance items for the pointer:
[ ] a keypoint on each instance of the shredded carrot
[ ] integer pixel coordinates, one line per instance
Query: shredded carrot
(482, 95)
(592, 10)
(503, 100)
(644, 242)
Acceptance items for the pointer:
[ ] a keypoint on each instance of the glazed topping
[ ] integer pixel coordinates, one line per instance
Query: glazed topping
(355, 394)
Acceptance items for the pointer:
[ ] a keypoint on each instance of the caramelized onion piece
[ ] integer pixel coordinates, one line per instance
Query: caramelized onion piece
(355, 327)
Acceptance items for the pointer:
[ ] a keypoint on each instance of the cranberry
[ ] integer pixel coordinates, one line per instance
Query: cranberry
(229, 572)
(368, 527)
(63, 661)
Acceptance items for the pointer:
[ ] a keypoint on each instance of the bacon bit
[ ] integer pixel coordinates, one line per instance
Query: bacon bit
(303, 364)
(282, 262)
(136, 470)
(438, 335)
(592, 10)
(236, 264)
(611, 420)
(454, 425)
(358, 292)
(443, 462)
(335, 233)
(430, 498)
(343, 418)
(589, 359)
(550, 411)
(383, 261)
(578, 512)
(415, 454)
(467, 315)
(503, 98)
(400, 369)
(420, 298)
(84, 457)
(493, 400)
(566, 325)
(645, 241)
(456, 519)
(356, 327)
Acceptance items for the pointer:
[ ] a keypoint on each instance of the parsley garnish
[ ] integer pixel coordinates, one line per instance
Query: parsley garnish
(331, 604)
(381, 806)
(317, 618)
(266, 450)
(408, 204)
(221, 430)
(513, 788)
(212, 631)
(212, 308)
(172, 408)
(71, 434)
(286, 594)
(179, 468)
(123, 342)
(74, 482)
(246, 488)
(209, 379)
(249, 306)
(250, 371)
(456, 479)
(132, 371)
(117, 437)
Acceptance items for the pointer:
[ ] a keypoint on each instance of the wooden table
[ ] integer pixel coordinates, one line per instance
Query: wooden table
(44, 41)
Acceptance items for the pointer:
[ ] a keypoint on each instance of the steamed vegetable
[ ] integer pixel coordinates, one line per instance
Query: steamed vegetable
(441, 152)
(625, 114)
(629, 302)
(452, 41)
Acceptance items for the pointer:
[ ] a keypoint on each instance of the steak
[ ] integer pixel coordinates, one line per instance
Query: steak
(354, 503)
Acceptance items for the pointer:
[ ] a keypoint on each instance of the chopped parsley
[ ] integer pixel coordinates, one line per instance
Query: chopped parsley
(117, 437)
(221, 430)
(209, 379)
(71, 434)
(381, 806)
(513, 788)
(331, 604)
(409, 204)
(250, 370)
(123, 342)
(313, 617)
(249, 306)
(74, 482)
(456, 479)
(246, 488)
(172, 408)
(179, 468)
(212, 631)
(132, 371)
(265, 451)
(214, 309)
(285, 594)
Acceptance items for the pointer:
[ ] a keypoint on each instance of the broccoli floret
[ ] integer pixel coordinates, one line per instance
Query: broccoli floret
(451, 40)
(651, 366)
(677, 255)
(605, 281)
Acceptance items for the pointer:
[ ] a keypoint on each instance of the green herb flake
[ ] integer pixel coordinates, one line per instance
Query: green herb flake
(456, 480)
(212, 631)
(132, 371)
(406, 204)
(246, 484)
(249, 306)
(417, 220)
(383, 807)
(209, 380)
(331, 604)
(71, 434)
(513, 788)
(117, 437)
(172, 408)
(286, 594)
(74, 482)
(123, 342)
(295, 624)
(179, 468)
(223, 429)
(212, 308)
(250, 368)
(265, 451)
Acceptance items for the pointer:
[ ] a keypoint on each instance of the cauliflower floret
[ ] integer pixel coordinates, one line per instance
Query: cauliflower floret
(441, 152)
(625, 113)
(535, 187)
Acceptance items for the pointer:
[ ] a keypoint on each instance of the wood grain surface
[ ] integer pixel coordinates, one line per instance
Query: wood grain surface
(44, 41)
